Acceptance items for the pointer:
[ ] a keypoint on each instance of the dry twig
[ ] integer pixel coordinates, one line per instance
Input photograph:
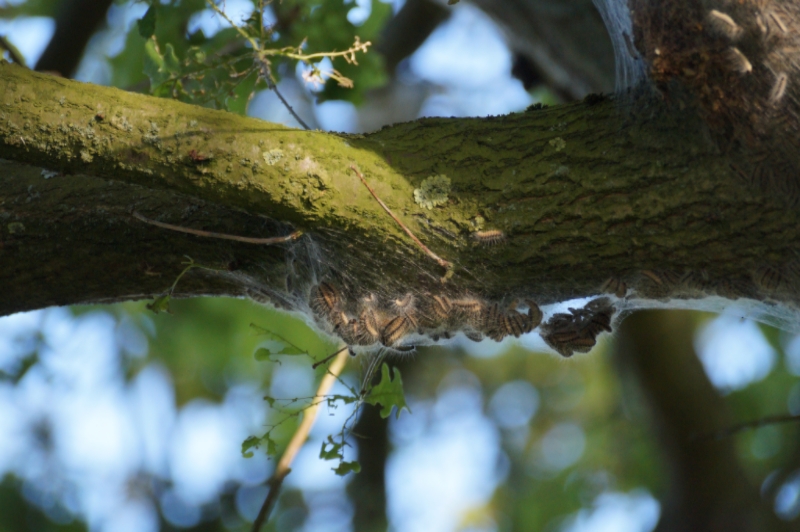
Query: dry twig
(199, 232)
(298, 439)
(443, 263)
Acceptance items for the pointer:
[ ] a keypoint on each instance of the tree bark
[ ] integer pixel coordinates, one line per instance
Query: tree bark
(582, 192)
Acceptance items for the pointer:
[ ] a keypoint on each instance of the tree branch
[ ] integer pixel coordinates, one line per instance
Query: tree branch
(582, 192)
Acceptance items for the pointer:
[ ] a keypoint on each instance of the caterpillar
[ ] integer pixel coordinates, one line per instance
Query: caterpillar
(488, 238)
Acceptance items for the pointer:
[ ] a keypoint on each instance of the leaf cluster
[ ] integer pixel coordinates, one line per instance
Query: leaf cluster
(224, 70)
(388, 393)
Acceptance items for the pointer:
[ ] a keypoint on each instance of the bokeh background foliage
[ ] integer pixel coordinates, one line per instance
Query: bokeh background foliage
(116, 418)
(506, 439)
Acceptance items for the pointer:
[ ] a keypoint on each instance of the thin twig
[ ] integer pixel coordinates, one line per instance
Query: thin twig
(315, 365)
(266, 73)
(725, 433)
(443, 263)
(210, 234)
(274, 87)
(298, 439)
(13, 53)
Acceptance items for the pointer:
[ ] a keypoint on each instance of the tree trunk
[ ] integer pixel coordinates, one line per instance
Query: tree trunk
(708, 489)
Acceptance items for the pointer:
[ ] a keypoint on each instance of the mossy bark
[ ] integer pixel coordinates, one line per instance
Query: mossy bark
(582, 192)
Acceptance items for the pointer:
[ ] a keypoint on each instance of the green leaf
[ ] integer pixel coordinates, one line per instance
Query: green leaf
(335, 451)
(21, 368)
(272, 447)
(160, 304)
(147, 24)
(326, 27)
(250, 443)
(153, 62)
(346, 399)
(171, 62)
(388, 393)
(263, 354)
(347, 467)
(240, 96)
(160, 68)
(253, 442)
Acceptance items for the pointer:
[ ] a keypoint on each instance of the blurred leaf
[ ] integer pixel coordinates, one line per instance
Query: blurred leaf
(285, 346)
(22, 368)
(347, 467)
(250, 443)
(239, 97)
(254, 442)
(147, 24)
(172, 19)
(161, 68)
(346, 399)
(160, 304)
(30, 8)
(388, 393)
(335, 451)
(262, 354)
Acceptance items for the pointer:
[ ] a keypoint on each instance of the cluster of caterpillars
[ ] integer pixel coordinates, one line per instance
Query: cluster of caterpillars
(578, 330)
(372, 321)
(748, 37)
(769, 22)
(776, 282)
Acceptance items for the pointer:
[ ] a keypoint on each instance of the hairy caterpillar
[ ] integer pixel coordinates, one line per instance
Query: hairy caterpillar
(734, 62)
(616, 286)
(488, 238)
(724, 25)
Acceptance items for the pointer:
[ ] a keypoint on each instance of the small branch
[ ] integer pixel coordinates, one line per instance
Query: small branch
(274, 87)
(198, 232)
(327, 358)
(726, 433)
(13, 53)
(349, 55)
(264, 62)
(298, 439)
(443, 263)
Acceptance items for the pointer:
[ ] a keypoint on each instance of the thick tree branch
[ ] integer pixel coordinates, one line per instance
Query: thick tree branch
(582, 192)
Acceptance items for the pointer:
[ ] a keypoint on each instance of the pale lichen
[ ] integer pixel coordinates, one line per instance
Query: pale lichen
(16, 227)
(272, 156)
(558, 143)
(432, 192)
